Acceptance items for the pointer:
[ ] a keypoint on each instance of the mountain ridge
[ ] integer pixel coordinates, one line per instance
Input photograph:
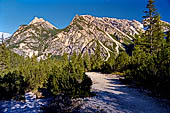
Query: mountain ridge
(41, 20)
(82, 35)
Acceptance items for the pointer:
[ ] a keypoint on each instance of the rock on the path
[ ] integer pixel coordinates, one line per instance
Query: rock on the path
(62, 103)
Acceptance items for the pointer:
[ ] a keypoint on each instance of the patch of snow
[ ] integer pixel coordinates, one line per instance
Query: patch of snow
(5, 35)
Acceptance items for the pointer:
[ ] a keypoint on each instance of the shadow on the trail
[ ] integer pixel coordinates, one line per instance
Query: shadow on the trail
(31, 105)
(123, 99)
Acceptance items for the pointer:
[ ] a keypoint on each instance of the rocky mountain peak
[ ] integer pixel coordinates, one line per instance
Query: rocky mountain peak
(37, 20)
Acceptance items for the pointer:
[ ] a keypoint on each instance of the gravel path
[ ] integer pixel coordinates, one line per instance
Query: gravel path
(111, 97)
(114, 97)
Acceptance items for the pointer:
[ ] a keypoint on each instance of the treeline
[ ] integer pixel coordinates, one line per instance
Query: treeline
(149, 64)
(58, 74)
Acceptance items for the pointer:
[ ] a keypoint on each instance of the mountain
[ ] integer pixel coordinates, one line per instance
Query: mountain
(31, 39)
(166, 26)
(83, 34)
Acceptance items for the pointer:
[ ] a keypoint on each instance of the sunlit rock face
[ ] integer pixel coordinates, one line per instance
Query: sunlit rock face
(41, 38)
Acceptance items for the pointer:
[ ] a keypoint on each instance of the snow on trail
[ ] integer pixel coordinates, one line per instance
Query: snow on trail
(31, 105)
(114, 97)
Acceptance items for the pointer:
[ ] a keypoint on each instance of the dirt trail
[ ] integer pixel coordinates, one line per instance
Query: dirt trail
(114, 97)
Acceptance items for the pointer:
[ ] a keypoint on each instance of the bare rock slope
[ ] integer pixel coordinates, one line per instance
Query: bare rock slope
(82, 35)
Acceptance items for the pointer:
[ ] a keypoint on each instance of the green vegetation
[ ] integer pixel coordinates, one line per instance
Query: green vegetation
(79, 26)
(55, 31)
(57, 74)
(77, 23)
(100, 29)
(67, 29)
(149, 64)
(96, 59)
(114, 37)
(81, 20)
(127, 41)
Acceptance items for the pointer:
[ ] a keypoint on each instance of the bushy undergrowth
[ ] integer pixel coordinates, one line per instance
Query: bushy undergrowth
(61, 75)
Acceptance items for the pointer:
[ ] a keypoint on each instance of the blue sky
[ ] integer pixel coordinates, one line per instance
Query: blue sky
(60, 12)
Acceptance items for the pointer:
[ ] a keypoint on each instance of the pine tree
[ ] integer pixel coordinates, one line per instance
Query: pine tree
(73, 62)
(168, 39)
(96, 59)
(2, 39)
(153, 38)
(80, 66)
(4, 58)
(87, 62)
(149, 23)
